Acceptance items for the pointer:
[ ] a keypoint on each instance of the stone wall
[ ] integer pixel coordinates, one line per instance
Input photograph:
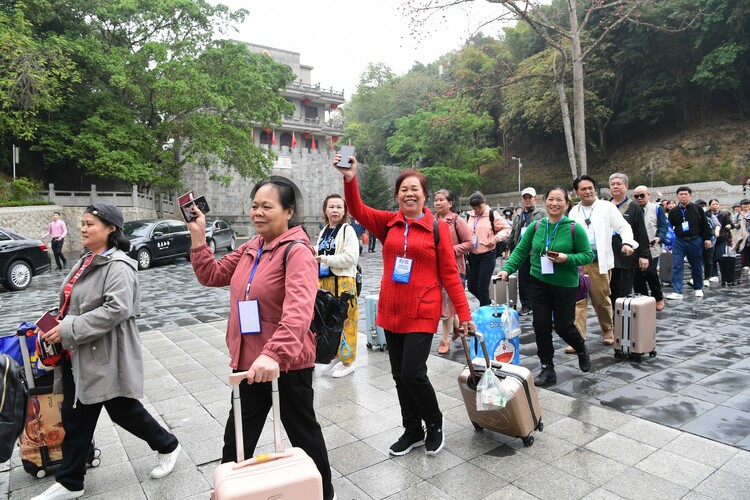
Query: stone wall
(34, 221)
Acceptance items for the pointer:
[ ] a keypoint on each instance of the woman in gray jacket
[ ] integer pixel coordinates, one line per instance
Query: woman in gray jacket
(103, 363)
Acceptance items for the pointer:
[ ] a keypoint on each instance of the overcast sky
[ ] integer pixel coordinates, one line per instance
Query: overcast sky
(339, 38)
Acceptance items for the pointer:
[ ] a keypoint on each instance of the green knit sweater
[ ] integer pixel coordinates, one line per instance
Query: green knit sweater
(560, 240)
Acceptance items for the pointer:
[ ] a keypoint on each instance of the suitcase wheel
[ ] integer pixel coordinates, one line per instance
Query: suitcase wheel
(40, 473)
(477, 427)
(528, 440)
(382, 348)
(31, 468)
(95, 462)
(618, 354)
(540, 426)
(369, 345)
(652, 354)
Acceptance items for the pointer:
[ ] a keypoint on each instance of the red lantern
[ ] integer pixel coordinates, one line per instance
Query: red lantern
(334, 106)
(306, 135)
(306, 101)
(335, 138)
(267, 130)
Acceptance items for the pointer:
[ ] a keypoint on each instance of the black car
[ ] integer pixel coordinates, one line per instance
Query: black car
(219, 234)
(21, 258)
(157, 239)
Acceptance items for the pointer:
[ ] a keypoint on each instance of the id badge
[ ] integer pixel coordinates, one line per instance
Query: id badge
(548, 267)
(249, 315)
(685, 226)
(324, 270)
(523, 230)
(402, 270)
(475, 241)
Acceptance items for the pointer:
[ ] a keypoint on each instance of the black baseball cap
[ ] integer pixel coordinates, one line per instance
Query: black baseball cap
(108, 213)
(700, 201)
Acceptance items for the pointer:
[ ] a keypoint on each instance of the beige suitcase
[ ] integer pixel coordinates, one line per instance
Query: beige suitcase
(635, 326)
(521, 416)
(500, 290)
(284, 474)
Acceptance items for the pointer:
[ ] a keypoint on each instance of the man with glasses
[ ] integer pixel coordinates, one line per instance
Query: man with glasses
(656, 229)
(600, 219)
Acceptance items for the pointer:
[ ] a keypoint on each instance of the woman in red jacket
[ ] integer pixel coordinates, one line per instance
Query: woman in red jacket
(410, 298)
(268, 331)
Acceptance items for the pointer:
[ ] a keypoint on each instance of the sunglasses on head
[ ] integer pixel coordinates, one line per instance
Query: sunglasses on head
(639, 196)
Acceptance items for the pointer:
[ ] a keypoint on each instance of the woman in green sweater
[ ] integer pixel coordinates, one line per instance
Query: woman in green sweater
(557, 248)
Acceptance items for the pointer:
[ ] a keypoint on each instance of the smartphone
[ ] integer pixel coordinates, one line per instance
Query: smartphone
(47, 322)
(186, 208)
(552, 254)
(346, 152)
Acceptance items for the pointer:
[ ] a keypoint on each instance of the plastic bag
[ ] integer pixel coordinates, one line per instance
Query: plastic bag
(511, 326)
(491, 395)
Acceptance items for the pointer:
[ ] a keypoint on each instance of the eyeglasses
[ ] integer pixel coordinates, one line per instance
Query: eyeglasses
(639, 196)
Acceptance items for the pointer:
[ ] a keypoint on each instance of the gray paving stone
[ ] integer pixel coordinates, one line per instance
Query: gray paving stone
(107, 478)
(721, 424)
(129, 492)
(589, 466)
(675, 468)
(346, 489)
(355, 457)
(167, 406)
(634, 484)
(648, 432)
(507, 463)
(573, 431)
(602, 494)
(179, 484)
(469, 444)
(725, 485)
(427, 466)
(631, 397)
(675, 410)
(701, 450)
(383, 479)
(510, 492)
(468, 481)
(738, 464)
(545, 448)
(203, 452)
(419, 490)
(620, 448)
(335, 437)
(549, 482)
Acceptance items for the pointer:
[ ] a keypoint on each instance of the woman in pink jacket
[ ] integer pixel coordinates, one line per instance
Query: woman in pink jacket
(462, 244)
(268, 331)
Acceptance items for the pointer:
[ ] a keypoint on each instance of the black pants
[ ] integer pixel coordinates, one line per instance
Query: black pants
(479, 274)
(297, 414)
(717, 252)
(621, 284)
(643, 280)
(79, 424)
(708, 257)
(408, 354)
(57, 246)
(524, 283)
(371, 242)
(548, 300)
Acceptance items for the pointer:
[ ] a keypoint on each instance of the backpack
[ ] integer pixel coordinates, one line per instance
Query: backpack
(584, 282)
(13, 398)
(328, 321)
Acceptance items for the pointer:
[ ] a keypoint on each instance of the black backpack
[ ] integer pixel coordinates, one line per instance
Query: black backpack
(328, 320)
(12, 405)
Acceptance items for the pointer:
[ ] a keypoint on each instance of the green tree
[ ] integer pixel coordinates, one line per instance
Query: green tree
(375, 189)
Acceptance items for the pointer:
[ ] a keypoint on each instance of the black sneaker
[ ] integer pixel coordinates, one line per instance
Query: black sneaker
(435, 438)
(584, 360)
(406, 443)
(546, 377)
(525, 311)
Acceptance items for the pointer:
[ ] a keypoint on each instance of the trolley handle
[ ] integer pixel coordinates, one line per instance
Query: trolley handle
(479, 337)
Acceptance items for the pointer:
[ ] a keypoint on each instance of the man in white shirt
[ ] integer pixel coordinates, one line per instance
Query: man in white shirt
(600, 219)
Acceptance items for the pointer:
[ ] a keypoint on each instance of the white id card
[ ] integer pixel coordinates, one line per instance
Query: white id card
(685, 226)
(548, 267)
(249, 315)
(523, 231)
(402, 270)
(323, 270)
(475, 241)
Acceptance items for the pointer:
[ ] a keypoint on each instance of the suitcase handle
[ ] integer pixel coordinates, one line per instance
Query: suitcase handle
(234, 380)
(494, 293)
(262, 458)
(480, 337)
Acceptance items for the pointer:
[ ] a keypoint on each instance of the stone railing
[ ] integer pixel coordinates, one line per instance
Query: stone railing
(160, 203)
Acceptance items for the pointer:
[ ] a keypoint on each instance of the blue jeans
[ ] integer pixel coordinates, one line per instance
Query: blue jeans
(694, 251)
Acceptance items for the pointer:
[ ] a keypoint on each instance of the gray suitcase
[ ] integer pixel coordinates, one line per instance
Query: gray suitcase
(375, 334)
(500, 291)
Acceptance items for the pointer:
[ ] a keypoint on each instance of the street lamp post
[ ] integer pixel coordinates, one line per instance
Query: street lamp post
(519, 171)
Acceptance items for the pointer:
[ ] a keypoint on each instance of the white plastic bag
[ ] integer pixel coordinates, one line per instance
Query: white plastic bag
(511, 326)
(491, 395)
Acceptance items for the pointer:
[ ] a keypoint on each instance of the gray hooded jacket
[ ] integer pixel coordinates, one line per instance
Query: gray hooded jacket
(100, 329)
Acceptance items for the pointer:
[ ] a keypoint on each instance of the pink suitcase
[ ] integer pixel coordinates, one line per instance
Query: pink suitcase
(284, 474)
(635, 327)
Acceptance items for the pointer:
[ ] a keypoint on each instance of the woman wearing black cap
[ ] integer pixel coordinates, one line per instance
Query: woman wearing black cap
(103, 363)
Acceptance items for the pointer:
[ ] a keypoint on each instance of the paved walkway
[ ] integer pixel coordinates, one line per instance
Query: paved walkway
(675, 426)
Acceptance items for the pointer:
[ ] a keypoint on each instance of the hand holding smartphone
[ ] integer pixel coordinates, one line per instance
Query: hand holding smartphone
(187, 201)
(346, 152)
(552, 255)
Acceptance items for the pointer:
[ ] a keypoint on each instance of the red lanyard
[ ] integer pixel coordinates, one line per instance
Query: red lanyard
(69, 287)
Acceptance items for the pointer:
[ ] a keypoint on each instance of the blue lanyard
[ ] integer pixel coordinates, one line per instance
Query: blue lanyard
(477, 222)
(684, 213)
(252, 273)
(406, 231)
(547, 239)
(327, 241)
(587, 217)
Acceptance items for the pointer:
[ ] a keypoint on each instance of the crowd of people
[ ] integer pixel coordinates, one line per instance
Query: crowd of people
(429, 259)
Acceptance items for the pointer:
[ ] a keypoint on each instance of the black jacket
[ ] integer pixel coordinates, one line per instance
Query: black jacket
(632, 213)
(695, 216)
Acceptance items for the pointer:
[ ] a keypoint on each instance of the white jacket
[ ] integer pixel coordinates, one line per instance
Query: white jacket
(344, 261)
(605, 218)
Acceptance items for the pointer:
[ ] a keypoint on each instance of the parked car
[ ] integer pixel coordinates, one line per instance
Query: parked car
(219, 234)
(157, 239)
(21, 258)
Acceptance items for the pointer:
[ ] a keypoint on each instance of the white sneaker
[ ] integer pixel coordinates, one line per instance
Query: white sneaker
(690, 282)
(342, 371)
(706, 284)
(165, 463)
(58, 492)
(714, 279)
(674, 296)
(327, 368)
(699, 293)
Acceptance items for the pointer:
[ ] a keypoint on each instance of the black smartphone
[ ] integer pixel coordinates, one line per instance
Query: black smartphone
(187, 208)
(552, 254)
(346, 152)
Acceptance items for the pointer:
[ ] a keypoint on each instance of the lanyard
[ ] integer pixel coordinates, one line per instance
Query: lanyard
(406, 231)
(587, 218)
(547, 239)
(327, 241)
(252, 273)
(684, 212)
(621, 203)
(69, 285)
(477, 222)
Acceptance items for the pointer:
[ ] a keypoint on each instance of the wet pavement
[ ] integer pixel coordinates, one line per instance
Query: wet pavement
(674, 426)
